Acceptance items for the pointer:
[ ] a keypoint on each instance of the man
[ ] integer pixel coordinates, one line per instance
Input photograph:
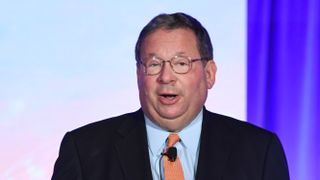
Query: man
(175, 70)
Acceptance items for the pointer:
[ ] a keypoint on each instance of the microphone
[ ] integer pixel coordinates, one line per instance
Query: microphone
(171, 153)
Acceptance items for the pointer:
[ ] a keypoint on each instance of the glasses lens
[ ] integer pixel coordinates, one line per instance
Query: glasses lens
(153, 67)
(180, 64)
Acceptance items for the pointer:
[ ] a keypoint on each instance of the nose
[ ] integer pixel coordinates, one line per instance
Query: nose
(167, 75)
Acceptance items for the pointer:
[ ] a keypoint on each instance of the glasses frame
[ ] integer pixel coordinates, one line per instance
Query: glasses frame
(163, 61)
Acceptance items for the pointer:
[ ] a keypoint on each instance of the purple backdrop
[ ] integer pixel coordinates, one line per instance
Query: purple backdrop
(284, 80)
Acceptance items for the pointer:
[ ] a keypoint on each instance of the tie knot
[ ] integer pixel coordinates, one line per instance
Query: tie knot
(172, 139)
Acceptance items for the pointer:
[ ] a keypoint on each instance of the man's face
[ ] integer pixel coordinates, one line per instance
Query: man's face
(173, 100)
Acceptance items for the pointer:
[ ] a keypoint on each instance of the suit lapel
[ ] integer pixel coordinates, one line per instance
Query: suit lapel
(132, 147)
(215, 145)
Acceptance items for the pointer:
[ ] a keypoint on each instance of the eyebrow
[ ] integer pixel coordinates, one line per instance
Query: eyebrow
(150, 55)
(181, 53)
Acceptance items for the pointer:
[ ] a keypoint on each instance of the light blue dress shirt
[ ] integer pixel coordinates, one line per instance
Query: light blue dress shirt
(187, 148)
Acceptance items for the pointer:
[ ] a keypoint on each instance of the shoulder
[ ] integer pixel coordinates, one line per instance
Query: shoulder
(245, 139)
(242, 142)
(108, 128)
(236, 129)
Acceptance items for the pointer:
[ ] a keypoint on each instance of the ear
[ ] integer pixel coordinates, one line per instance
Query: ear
(210, 72)
(138, 73)
(137, 70)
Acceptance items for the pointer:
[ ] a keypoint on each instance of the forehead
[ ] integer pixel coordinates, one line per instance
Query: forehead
(170, 42)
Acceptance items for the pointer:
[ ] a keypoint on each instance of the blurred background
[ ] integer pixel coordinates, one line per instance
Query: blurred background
(64, 64)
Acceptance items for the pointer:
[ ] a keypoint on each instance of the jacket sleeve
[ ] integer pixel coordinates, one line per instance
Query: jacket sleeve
(275, 167)
(67, 166)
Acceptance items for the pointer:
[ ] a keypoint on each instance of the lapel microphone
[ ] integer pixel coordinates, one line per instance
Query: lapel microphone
(171, 153)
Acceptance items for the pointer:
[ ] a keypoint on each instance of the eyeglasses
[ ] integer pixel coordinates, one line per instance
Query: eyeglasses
(179, 64)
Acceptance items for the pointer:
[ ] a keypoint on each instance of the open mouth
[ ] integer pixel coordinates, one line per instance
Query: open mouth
(168, 96)
(168, 99)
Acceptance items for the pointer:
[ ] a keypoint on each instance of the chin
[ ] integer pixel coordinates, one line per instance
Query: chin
(170, 117)
(171, 112)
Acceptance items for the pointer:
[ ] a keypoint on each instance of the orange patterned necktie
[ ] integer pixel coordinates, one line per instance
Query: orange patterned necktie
(172, 169)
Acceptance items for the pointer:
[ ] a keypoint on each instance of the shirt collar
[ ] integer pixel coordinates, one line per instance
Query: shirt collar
(190, 135)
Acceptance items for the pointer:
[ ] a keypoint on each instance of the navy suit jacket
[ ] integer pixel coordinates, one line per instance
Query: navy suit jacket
(117, 149)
